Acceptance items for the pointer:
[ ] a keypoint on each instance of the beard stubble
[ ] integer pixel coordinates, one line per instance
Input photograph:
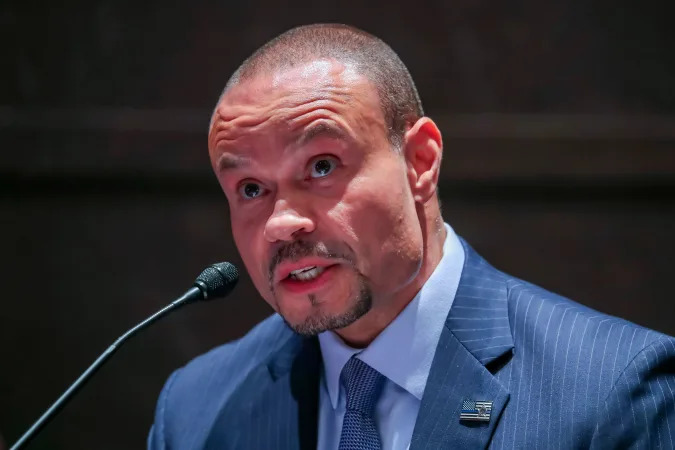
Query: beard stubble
(317, 321)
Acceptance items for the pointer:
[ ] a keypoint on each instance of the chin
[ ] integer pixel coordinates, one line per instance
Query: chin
(319, 318)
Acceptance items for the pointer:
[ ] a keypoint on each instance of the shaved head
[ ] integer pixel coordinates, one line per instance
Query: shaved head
(368, 55)
(330, 169)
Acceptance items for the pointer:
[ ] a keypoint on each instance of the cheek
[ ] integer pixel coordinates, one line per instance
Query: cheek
(249, 245)
(378, 214)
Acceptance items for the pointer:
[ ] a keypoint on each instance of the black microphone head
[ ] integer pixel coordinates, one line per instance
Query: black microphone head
(217, 280)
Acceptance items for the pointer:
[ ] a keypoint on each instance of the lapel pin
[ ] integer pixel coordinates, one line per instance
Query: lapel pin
(475, 411)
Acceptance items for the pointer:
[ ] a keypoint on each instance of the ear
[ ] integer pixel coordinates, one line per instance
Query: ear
(423, 149)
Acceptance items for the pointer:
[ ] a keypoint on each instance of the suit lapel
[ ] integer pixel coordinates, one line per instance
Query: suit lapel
(475, 339)
(304, 382)
(277, 405)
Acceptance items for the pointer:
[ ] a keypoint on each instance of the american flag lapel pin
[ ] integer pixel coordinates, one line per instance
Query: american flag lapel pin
(475, 411)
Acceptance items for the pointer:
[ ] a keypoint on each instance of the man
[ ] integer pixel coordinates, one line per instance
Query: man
(391, 331)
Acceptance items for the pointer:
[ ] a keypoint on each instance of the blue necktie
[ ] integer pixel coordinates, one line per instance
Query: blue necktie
(363, 385)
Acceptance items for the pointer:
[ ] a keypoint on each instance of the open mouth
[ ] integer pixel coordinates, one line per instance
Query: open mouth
(306, 273)
(308, 279)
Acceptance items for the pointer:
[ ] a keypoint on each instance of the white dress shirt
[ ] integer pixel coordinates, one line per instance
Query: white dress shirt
(403, 353)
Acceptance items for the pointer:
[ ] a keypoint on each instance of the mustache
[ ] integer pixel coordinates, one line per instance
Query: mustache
(296, 250)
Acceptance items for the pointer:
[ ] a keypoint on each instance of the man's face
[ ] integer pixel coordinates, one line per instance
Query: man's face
(320, 204)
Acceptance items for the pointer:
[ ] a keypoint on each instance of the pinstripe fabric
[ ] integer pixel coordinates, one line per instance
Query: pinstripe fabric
(560, 375)
(260, 392)
(572, 376)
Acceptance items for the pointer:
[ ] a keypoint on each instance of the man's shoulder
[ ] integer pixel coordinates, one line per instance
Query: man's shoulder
(559, 332)
(194, 394)
(250, 350)
(588, 372)
(552, 314)
(543, 326)
(233, 360)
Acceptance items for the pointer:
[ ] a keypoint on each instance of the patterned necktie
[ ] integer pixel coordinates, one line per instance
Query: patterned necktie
(363, 385)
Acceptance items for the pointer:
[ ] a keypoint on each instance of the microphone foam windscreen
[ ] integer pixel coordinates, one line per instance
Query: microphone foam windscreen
(218, 279)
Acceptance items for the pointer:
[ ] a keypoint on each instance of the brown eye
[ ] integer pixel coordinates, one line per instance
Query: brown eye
(250, 190)
(322, 167)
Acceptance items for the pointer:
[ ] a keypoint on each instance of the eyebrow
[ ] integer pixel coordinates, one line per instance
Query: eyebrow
(228, 161)
(320, 129)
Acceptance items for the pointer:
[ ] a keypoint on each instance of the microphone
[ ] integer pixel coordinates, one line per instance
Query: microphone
(215, 281)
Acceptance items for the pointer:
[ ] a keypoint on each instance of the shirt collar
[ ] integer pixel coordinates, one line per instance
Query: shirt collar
(404, 351)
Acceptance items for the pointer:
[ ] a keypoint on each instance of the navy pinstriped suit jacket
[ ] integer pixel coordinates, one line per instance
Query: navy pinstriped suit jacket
(560, 375)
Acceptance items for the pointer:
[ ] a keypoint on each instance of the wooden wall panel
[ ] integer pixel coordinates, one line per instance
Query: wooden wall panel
(80, 269)
(559, 167)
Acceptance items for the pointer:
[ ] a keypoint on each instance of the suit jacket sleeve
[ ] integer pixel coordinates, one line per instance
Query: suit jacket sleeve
(639, 411)
(157, 436)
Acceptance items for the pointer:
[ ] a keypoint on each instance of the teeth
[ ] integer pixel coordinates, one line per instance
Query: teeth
(304, 269)
(307, 273)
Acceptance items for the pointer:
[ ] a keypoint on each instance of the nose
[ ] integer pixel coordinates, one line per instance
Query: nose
(286, 222)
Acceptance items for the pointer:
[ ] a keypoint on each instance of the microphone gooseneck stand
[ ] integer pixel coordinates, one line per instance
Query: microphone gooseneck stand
(216, 281)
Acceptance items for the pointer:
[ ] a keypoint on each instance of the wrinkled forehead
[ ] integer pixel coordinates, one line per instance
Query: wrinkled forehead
(321, 79)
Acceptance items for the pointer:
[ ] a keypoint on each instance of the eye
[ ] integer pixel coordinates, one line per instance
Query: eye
(250, 190)
(322, 166)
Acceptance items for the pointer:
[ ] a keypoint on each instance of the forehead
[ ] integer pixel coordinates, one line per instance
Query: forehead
(320, 83)
(318, 74)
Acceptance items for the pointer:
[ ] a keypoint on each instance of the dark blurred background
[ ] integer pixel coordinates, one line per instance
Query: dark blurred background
(559, 167)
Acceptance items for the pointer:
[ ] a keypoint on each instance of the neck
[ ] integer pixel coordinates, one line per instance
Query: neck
(362, 332)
